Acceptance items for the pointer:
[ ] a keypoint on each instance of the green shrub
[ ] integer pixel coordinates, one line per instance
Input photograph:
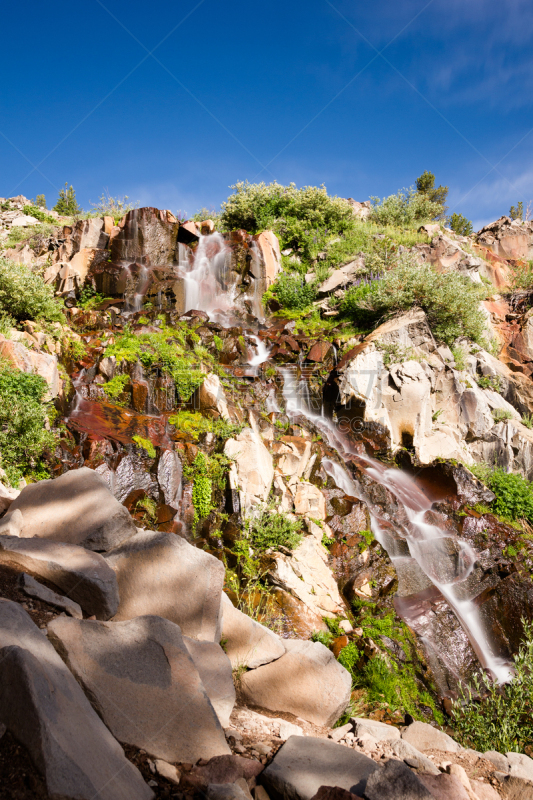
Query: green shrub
(23, 420)
(324, 637)
(406, 208)
(24, 295)
(291, 291)
(514, 494)
(273, 529)
(492, 382)
(66, 204)
(116, 207)
(493, 717)
(40, 201)
(285, 209)
(501, 414)
(115, 387)
(38, 213)
(450, 300)
(522, 276)
(349, 656)
(461, 225)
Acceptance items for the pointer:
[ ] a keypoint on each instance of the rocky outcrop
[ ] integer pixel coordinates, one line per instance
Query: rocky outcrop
(33, 362)
(423, 400)
(33, 588)
(508, 238)
(42, 705)
(143, 682)
(76, 508)
(162, 574)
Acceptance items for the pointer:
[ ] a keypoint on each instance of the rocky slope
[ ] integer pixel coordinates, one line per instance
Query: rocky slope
(249, 518)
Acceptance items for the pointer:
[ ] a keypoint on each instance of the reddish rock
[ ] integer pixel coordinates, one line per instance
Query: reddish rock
(139, 395)
(339, 644)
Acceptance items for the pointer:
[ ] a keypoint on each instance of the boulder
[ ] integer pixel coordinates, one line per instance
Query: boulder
(308, 499)
(515, 787)
(32, 588)
(7, 496)
(500, 761)
(226, 791)
(304, 764)
(146, 235)
(445, 787)
(143, 683)
(76, 508)
(247, 642)
(162, 574)
(45, 709)
(334, 793)
(11, 523)
(520, 765)
(371, 727)
(508, 238)
(252, 473)
(212, 398)
(89, 233)
(169, 475)
(307, 681)
(425, 737)
(214, 668)
(83, 576)
(307, 575)
(395, 781)
(413, 757)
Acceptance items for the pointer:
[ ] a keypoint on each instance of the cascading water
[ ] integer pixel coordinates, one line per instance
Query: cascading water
(446, 560)
(262, 352)
(208, 284)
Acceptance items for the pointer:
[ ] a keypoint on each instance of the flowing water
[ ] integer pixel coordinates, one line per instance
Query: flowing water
(208, 282)
(262, 352)
(446, 560)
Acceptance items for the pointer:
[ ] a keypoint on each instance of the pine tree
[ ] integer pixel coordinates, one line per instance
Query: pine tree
(425, 184)
(461, 225)
(67, 205)
(517, 212)
(40, 201)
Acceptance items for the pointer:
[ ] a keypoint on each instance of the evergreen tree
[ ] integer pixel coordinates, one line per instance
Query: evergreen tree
(517, 212)
(425, 184)
(461, 225)
(67, 205)
(40, 201)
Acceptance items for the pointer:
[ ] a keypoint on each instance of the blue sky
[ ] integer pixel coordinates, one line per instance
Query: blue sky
(171, 104)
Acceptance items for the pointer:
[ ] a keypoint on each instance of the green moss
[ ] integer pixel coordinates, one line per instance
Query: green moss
(115, 388)
(146, 444)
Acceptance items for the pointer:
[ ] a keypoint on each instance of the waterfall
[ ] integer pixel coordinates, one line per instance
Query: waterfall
(262, 352)
(208, 280)
(444, 559)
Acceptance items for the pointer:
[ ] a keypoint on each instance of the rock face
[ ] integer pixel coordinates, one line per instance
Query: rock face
(45, 709)
(214, 668)
(161, 574)
(253, 472)
(307, 681)
(83, 576)
(268, 246)
(143, 683)
(424, 401)
(304, 764)
(395, 781)
(247, 642)
(76, 508)
(508, 238)
(146, 235)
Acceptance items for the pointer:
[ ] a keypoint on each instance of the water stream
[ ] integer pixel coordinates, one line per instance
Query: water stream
(208, 283)
(446, 560)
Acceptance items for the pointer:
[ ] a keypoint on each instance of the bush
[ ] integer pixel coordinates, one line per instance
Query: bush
(522, 277)
(514, 494)
(517, 212)
(24, 294)
(273, 529)
(291, 291)
(406, 208)
(40, 201)
(23, 419)
(115, 207)
(66, 204)
(450, 300)
(461, 225)
(285, 209)
(494, 717)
